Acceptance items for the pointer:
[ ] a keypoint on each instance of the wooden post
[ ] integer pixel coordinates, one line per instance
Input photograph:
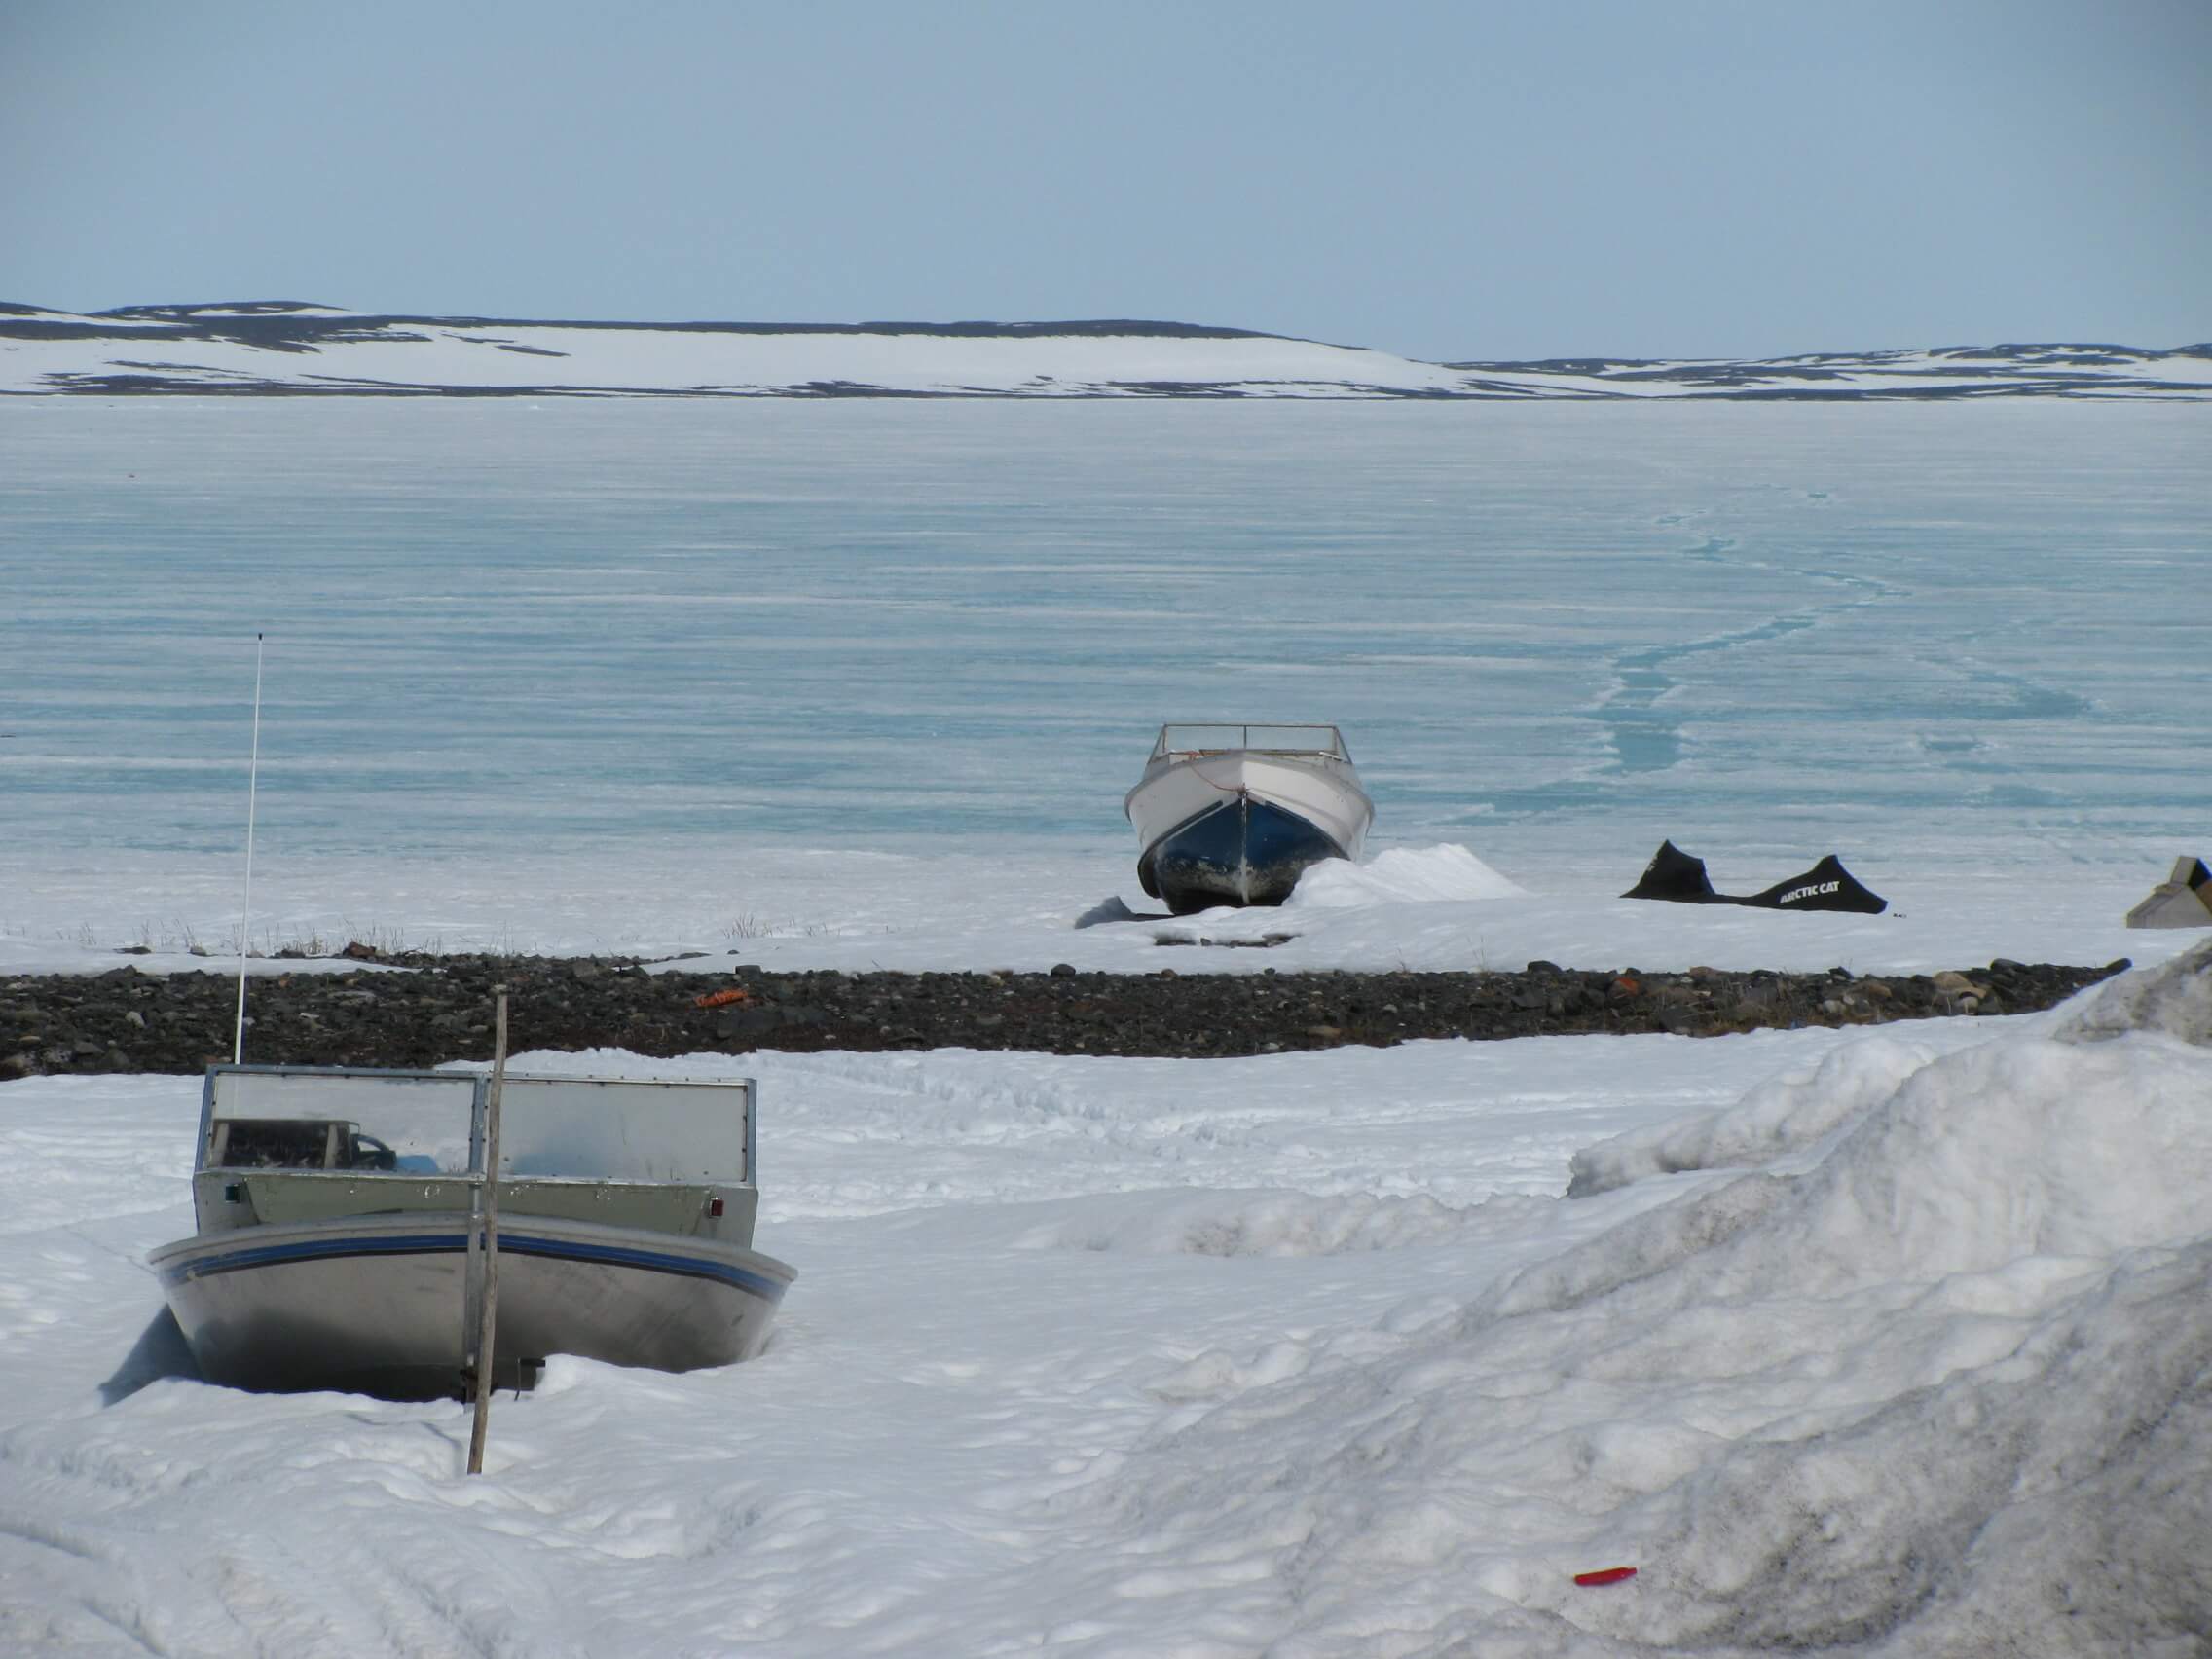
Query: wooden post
(488, 1313)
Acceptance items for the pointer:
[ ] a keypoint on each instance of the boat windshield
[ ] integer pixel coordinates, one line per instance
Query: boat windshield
(420, 1124)
(1181, 740)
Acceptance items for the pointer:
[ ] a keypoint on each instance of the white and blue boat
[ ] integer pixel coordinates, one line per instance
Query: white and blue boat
(1233, 814)
(339, 1239)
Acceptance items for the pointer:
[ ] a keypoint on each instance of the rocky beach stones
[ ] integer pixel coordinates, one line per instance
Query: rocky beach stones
(422, 1011)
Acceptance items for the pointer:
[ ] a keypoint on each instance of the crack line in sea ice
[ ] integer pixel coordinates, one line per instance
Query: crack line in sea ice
(1646, 740)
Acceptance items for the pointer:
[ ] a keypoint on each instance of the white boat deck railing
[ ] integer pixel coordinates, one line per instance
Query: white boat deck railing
(1194, 740)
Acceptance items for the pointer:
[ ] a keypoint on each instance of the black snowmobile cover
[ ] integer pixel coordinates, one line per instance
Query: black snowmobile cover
(1827, 886)
(1673, 875)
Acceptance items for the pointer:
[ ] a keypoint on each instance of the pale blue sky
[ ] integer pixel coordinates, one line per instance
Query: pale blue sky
(1446, 180)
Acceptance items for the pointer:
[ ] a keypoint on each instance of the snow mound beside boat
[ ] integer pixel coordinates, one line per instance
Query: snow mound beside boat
(1402, 875)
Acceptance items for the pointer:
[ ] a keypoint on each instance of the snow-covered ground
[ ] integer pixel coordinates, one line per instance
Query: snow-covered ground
(311, 349)
(1437, 907)
(1893, 1343)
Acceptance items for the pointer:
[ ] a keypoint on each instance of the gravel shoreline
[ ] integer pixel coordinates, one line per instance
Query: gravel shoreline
(439, 1009)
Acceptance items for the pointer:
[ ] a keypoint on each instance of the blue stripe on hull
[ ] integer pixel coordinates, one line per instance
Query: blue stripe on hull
(450, 1243)
(1241, 852)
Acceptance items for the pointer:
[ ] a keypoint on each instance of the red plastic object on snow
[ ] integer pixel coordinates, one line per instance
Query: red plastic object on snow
(1604, 1575)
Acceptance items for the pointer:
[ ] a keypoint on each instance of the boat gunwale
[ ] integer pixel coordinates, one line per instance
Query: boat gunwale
(443, 1233)
(1336, 769)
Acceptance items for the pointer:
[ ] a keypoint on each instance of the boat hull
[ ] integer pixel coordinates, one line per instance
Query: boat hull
(1239, 827)
(1243, 852)
(376, 1304)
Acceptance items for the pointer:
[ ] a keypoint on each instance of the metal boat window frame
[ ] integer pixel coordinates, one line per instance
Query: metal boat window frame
(203, 1161)
(1166, 749)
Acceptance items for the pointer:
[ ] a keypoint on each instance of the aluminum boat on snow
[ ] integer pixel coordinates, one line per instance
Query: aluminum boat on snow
(1233, 814)
(338, 1237)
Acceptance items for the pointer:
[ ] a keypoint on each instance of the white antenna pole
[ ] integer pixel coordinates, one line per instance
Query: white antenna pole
(245, 908)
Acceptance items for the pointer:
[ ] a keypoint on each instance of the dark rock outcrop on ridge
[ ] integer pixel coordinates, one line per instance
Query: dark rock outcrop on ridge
(434, 1010)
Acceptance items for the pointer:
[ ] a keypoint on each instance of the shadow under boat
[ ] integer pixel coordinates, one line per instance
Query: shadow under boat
(338, 1245)
(1233, 814)
(159, 1353)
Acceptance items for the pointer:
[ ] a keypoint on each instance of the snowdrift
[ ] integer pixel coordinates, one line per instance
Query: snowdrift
(1936, 1381)
(1401, 875)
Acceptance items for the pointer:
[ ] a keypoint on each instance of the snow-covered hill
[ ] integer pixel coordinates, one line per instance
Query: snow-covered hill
(285, 346)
